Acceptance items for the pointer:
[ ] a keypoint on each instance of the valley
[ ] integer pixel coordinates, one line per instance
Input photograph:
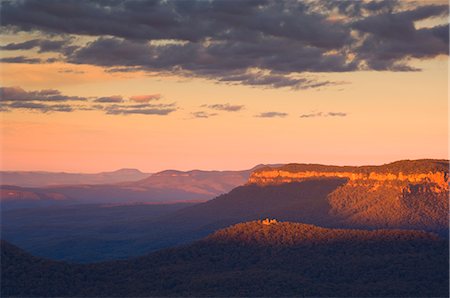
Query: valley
(99, 232)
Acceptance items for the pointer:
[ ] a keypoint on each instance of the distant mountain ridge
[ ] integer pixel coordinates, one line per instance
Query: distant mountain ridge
(162, 187)
(211, 183)
(44, 179)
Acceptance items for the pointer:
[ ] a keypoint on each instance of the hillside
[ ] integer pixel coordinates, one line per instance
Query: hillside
(403, 194)
(250, 259)
(350, 197)
(271, 232)
(304, 201)
(209, 183)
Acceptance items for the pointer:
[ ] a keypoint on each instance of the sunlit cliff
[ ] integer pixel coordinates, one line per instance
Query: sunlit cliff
(427, 171)
(404, 194)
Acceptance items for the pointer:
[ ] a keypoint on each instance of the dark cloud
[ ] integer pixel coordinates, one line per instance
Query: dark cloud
(12, 98)
(40, 107)
(265, 43)
(271, 115)
(112, 52)
(114, 98)
(52, 60)
(312, 115)
(43, 46)
(10, 94)
(203, 114)
(223, 61)
(273, 80)
(147, 105)
(20, 59)
(21, 46)
(144, 109)
(358, 9)
(180, 20)
(73, 71)
(393, 38)
(322, 114)
(123, 69)
(225, 107)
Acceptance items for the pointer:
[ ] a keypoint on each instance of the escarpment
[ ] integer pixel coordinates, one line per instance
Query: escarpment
(404, 194)
(355, 175)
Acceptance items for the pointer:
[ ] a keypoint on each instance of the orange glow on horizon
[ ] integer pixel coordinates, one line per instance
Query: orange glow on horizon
(388, 116)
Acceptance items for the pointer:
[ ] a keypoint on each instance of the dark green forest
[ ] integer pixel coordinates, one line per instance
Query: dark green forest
(250, 259)
(404, 166)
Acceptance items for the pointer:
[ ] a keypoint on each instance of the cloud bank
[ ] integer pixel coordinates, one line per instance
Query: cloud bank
(47, 101)
(263, 43)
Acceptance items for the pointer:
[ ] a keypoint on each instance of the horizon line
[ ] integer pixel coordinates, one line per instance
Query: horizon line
(215, 169)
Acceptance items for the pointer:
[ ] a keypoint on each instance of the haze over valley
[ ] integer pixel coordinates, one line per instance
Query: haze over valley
(98, 226)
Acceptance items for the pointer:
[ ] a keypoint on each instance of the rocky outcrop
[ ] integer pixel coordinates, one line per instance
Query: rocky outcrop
(279, 176)
(405, 194)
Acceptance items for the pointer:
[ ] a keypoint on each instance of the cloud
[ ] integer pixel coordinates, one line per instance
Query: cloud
(73, 71)
(312, 115)
(20, 59)
(114, 98)
(191, 21)
(271, 115)
(203, 114)
(144, 109)
(12, 98)
(145, 98)
(21, 46)
(337, 114)
(11, 94)
(40, 107)
(322, 114)
(273, 80)
(225, 107)
(43, 45)
(225, 61)
(357, 9)
(4, 108)
(393, 38)
(264, 43)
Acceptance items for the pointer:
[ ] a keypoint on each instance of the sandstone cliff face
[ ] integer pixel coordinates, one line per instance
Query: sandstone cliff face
(377, 197)
(277, 176)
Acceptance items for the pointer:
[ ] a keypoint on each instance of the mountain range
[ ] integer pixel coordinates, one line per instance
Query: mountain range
(43, 179)
(162, 187)
(401, 195)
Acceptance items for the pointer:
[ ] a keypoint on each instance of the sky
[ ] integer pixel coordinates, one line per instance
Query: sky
(90, 86)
